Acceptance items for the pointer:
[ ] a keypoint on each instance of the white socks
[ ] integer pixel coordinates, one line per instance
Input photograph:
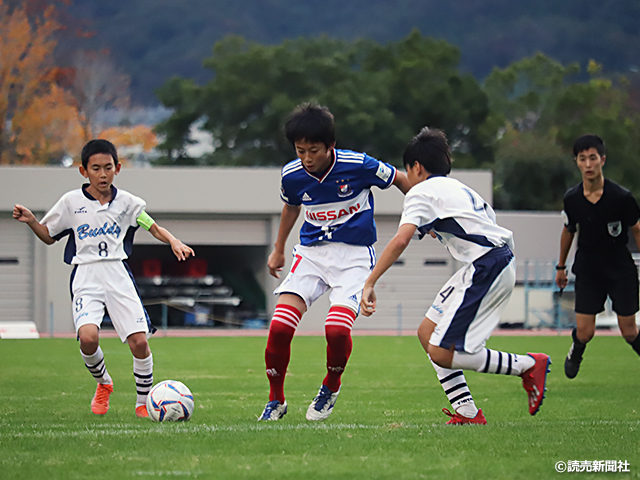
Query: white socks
(143, 373)
(97, 368)
(457, 391)
(493, 361)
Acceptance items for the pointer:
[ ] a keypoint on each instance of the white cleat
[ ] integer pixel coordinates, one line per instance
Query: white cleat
(274, 410)
(322, 405)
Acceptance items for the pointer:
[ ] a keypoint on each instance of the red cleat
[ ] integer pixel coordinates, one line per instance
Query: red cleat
(141, 411)
(457, 419)
(100, 402)
(534, 381)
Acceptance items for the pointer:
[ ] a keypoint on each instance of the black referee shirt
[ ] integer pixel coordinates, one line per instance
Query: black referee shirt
(602, 228)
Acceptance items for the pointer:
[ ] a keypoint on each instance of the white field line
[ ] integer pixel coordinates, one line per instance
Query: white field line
(62, 431)
(59, 431)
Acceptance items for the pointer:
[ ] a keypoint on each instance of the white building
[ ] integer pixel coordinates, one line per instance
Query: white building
(231, 216)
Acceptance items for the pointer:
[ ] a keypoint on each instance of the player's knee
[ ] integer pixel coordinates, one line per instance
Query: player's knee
(439, 357)
(585, 333)
(88, 344)
(279, 333)
(89, 341)
(629, 332)
(337, 334)
(139, 345)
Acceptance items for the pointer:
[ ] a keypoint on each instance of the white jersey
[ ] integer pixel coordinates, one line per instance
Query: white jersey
(96, 232)
(460, 217)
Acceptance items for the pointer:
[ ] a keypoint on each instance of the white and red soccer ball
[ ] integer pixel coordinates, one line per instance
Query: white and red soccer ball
(170, 401)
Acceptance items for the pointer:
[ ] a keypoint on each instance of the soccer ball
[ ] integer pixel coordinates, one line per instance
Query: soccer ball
(170, 401)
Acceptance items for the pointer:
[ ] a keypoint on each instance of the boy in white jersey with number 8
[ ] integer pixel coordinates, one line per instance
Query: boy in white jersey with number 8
(467, 309)
(101, 222)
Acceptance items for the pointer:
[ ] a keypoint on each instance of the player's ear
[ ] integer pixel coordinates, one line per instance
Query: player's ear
(604, 159)
(118, 167)
(83, 171)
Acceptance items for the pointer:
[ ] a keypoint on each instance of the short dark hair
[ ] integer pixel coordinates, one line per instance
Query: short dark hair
(430, 148)
(98, 146)
(311, 122)
(585, 142)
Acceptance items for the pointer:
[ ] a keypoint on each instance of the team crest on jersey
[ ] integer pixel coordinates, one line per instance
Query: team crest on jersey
(344, 190)
(614, 228)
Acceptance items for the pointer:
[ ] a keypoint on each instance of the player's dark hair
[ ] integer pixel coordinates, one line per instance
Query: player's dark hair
(312, 123)
(98, 146)
(430, 148)
(585, 142)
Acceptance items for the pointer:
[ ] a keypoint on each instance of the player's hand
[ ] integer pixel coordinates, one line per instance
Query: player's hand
(23, 214)
(433, 234)
(275, 263)
(368, 302)
(561, 278)
(181, 251)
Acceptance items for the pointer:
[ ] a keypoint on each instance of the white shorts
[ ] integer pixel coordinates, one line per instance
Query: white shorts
(107, 285)
(339, 267)
(467, 309)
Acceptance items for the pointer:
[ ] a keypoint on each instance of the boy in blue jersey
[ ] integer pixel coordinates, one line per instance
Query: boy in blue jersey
(467, 309)
(101, 222)
(335, 252)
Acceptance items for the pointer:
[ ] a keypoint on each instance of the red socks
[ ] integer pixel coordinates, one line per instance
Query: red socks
(283, 325)
(339, 345)
(278, 352)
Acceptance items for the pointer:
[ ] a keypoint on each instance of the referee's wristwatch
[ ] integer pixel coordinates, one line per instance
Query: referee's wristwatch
(561, 267)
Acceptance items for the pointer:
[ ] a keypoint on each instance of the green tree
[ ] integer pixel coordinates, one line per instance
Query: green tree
(380, 95)
(543, 114)
(531, 172)
(604, 106)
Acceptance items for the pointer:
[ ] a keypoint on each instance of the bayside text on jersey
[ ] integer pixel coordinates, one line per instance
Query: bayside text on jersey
(338, 207)
(96, 232)
(459, 216)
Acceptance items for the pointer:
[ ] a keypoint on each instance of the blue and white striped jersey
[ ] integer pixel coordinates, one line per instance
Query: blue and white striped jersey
(339, 206)
(96, 232)
(459, 216)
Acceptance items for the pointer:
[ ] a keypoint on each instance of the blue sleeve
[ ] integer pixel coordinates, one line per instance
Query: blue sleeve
(379, 174)
(288, 194)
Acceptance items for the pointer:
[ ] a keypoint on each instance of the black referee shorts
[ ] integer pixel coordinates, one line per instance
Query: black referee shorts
(592, 290)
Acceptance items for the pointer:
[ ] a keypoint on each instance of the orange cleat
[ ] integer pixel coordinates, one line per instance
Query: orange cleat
(141, 411)
(457, 419)
(100, 402)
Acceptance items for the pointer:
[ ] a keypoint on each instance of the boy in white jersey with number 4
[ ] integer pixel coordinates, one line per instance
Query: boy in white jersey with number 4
(335, 252)
(101, 222)
(467, 309)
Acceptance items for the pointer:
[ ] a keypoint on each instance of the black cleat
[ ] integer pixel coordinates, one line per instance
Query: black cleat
(574, 357)
(572, 363)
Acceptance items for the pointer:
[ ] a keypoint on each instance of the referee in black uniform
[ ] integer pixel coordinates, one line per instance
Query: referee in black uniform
(602, 213)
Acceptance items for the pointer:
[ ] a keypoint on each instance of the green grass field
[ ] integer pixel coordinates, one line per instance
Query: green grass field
(387, 422)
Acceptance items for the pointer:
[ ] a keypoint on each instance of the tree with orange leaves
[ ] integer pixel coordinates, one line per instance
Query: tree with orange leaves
(131, 141)
(37, 119)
